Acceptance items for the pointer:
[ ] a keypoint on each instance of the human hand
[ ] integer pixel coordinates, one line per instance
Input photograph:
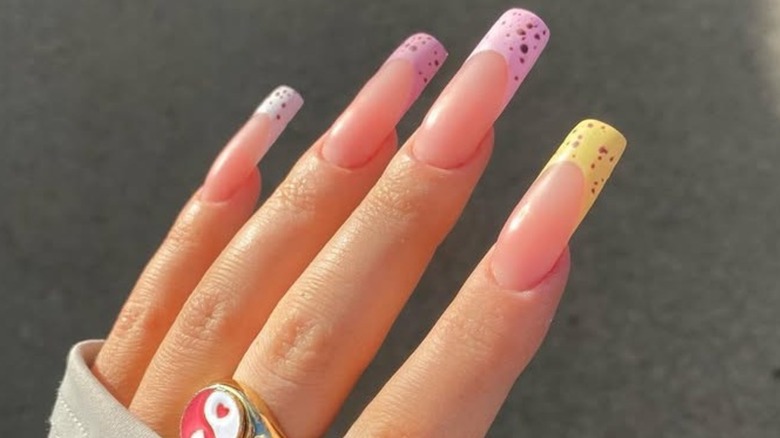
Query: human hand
(294, 300)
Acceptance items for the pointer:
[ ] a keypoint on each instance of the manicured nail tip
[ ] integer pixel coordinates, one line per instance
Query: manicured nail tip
(250, 144)
(595, 147)
(542, 224)
(426, 54)
(519, 36)
(280, 106)
(283, 102)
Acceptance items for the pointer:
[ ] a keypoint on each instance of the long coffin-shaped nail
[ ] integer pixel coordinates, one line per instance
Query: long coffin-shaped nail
(426, 55)
(480, 91)
(545, 219)
(376, 110)
(520, 37)
(250, 144)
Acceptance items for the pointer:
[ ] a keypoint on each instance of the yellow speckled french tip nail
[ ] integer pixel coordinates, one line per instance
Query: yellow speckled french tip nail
(595, 147)
(541, 225)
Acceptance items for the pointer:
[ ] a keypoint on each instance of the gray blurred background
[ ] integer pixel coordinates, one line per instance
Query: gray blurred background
(110, 113)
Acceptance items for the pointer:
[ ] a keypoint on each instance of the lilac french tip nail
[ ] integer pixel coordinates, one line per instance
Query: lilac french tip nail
(280, 106)
(426, 54)
(520, 37)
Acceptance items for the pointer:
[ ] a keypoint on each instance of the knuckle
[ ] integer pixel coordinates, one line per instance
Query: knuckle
(477, 338)
(300, 349)
(395, 200)
(184, 233)
(408, 198)
(298, 192)
(206, 317)
(136, 319)
(391, 203)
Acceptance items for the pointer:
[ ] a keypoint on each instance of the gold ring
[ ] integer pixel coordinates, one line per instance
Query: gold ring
(228, 409)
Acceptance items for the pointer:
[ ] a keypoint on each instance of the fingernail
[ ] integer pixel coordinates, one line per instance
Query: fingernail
(471, 103)
(376, 110)
(541, 225)
(280, 107)
(250, 144)
(520, 37)
(426, 55)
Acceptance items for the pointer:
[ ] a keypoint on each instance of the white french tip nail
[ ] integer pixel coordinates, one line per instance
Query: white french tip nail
(280, 106)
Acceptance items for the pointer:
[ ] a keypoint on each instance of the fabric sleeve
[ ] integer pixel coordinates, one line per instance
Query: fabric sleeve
(84, 408)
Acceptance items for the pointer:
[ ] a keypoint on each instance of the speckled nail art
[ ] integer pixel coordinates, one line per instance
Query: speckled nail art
(280, 106)
(242, 153)
(542, 224)
(595, 148)
(520, 37)
(426, 54)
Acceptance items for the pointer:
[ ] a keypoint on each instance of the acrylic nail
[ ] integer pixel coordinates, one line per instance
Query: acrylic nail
(376, 110)
(280, 107)
(519, 36)
(426, 56)
(250, 144)
(541, 225)
(480, 91)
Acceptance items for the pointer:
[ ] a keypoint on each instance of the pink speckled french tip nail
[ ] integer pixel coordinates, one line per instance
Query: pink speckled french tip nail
(426, 54)
(280, 106)
(358, 133)
(250, 144)
(520, 37)
(479, 92)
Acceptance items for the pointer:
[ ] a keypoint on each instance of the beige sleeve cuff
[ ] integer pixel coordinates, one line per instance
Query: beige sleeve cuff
(84, 408)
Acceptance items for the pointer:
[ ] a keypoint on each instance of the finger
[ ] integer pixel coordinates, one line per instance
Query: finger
(329, 325)
(230, 305)
(203, 228)
(457, 379)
